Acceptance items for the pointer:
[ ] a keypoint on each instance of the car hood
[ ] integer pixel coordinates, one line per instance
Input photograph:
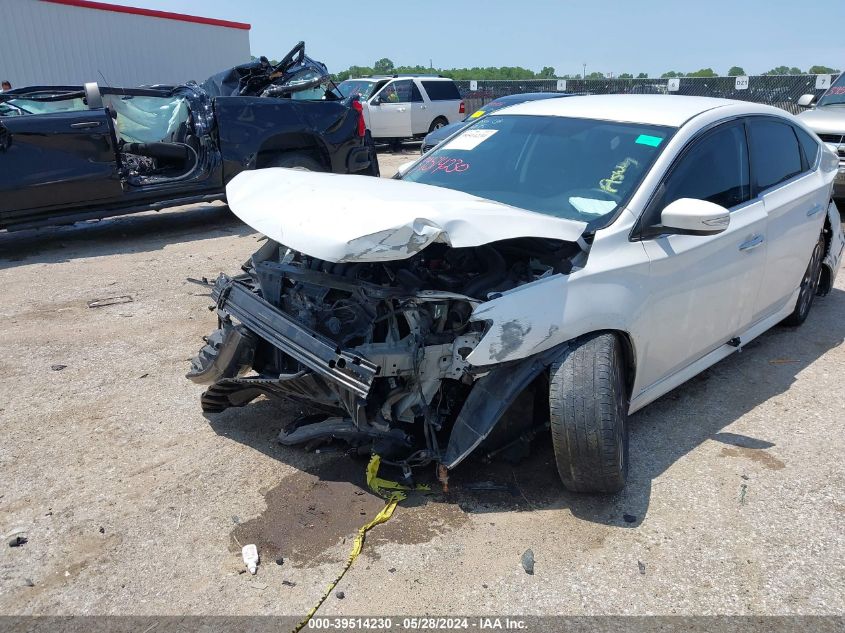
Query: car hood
(340, 218)
(825, 120)
(441, 134)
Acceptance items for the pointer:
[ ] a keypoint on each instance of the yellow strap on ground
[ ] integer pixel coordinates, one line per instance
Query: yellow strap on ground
(393, 492)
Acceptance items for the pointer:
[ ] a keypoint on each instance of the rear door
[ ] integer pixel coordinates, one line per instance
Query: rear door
(390, 110)
(795, 196)
(445, 99)
(57, 159)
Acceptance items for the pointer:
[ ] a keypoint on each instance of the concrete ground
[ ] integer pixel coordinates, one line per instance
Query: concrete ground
(133, 502)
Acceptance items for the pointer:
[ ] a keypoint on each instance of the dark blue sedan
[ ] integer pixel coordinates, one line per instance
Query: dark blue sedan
(441, 134)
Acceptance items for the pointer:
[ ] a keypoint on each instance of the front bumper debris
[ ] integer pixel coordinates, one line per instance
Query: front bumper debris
(322, 356)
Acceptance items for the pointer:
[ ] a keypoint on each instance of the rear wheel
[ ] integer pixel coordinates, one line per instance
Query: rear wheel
(588, 404)
(438, 123)
(809, 285)
(296, 160)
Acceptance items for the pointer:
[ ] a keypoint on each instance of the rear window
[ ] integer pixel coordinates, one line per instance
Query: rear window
(809, 145)
(442, 90)
(775, 155)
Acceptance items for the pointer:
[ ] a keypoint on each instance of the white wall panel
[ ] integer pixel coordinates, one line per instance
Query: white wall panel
(44, 43)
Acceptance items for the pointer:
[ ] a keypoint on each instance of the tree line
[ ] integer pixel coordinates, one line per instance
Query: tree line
(385, 66)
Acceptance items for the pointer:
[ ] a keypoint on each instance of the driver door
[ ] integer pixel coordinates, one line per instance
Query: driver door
(55, 160)
(391, 109)
(703, 288)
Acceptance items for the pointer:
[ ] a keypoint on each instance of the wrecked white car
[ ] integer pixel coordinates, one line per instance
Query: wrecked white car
(559, 264)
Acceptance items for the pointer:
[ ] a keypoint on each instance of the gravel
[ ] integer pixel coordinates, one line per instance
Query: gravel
(734, 505)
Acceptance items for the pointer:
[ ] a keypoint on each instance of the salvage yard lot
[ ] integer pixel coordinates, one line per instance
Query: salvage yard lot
(133, 502)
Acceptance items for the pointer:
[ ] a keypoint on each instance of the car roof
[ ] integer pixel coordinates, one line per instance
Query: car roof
(671, 110)
(529, 96)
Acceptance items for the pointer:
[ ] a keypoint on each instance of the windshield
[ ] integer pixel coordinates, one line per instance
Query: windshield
(579, 169)
(357, 87)
(835, 95)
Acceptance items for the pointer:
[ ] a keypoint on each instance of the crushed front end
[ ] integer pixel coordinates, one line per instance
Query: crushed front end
(378, 349)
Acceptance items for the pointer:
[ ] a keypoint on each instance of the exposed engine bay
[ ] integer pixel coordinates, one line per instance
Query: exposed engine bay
(379, 349)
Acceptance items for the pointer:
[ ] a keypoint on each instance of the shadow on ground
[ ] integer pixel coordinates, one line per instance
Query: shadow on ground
(328, 497)
(149, 231)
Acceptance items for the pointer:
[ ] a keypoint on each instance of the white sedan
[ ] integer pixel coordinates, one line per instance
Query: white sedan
(560, 263)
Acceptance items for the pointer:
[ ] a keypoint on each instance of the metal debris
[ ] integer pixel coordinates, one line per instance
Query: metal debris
(110, 301)
(57, 367)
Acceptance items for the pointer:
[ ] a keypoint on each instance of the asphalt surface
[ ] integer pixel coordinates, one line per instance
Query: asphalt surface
(133, 502)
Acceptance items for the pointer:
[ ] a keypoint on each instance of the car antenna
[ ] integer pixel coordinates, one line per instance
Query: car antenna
(105, 81)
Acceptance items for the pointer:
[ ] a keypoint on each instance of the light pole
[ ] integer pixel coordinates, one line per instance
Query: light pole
(584, 76)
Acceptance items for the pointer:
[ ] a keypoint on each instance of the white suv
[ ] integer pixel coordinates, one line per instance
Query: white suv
(406, 106)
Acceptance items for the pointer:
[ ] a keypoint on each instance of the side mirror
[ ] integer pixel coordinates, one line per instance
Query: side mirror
(375, 101)
(694, 217)
(805, 101)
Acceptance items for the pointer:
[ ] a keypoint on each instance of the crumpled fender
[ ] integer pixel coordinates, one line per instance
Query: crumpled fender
(490, 397)
(833, 258)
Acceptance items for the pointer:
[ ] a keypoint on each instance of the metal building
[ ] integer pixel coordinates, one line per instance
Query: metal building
(70, 42)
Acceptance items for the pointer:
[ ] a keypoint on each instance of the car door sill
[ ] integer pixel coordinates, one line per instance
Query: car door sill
(665, 385)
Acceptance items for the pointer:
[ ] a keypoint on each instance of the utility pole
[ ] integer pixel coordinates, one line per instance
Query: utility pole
(584, 76)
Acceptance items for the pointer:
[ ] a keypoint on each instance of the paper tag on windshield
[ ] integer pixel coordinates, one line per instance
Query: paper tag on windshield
(470, 139)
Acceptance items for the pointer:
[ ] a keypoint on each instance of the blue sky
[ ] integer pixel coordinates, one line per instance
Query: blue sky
(609, 35)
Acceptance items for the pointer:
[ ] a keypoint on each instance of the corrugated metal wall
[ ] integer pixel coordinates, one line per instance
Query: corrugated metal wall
(45, 43)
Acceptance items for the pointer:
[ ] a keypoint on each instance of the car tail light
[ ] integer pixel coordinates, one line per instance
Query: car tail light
(362, 125)
(462, 109)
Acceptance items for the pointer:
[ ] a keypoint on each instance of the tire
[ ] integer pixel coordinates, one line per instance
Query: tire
(296, 160)
(438, 123)
(588, 406)
(809, 285)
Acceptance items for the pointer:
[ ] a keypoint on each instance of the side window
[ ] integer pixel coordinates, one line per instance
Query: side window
(441, 90)
(715, 169)
(416, 97)
(775, 154)
(397, 92)
(809, 146)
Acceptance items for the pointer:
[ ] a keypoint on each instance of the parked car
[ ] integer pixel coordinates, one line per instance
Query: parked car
(406, 106)
(827, 119)
(441, 134)
(561, 263)
(69, 153)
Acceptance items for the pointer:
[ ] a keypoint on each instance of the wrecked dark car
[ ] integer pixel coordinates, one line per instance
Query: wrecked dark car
(70, 153)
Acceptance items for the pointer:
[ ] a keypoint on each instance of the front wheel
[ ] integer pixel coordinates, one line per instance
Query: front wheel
(588, 405)
(809, 285)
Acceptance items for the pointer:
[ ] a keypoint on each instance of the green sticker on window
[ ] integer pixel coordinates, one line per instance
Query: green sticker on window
(652, 141)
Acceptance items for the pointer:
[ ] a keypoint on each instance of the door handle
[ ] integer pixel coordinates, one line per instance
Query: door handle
(85, 125)
(814, 209)
(753, 243)
(400, 109)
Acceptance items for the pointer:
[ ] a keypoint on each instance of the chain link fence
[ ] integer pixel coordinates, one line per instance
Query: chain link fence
(777, 90)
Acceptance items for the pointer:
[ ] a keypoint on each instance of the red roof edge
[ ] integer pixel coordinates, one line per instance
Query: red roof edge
(150, 13)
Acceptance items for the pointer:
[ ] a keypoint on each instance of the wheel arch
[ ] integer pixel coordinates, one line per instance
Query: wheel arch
(303, 142)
